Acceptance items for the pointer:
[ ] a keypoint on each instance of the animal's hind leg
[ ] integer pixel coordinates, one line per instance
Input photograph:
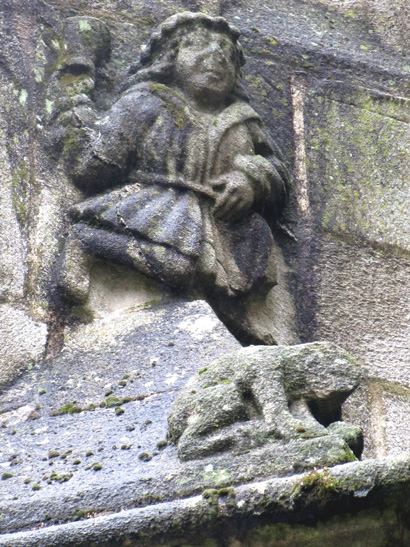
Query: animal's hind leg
(271, 398)
(211, 425)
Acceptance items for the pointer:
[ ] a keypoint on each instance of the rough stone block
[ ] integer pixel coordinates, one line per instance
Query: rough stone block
(22, 343)
(12, 209)
(358, 158)
(361, 303)
(116, 377)
(396, 420)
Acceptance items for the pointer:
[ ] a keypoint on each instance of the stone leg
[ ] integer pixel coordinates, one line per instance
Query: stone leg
(190, 447)
(234, 313)
(73, 277)
(271, 398)
(301, 411)
(119, 248)
(350, 433)
(264, 316)
(85, 241)
(235, 437)
(212, 423)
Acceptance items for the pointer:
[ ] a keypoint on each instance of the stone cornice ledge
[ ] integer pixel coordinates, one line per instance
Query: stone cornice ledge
(382, 485)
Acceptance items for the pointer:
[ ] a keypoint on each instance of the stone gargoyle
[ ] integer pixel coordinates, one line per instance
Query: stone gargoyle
(262, 395)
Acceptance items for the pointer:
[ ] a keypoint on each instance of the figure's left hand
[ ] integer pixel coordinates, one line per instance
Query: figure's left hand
(235, 195)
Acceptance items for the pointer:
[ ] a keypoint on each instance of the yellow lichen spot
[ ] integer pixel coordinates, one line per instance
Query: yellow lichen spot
(272, 41)
(38, 74)
(49, 106)
(84, 25)
(23, 97)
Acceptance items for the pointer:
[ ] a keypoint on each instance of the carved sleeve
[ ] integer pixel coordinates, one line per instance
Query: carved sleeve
(109, 149)
(279, 176)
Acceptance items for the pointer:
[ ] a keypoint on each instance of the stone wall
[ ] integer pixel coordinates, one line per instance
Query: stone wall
(353, 191)
(331, 81)
(388, 20)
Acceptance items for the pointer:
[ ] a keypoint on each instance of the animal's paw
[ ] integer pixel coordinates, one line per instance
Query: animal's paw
(299, 429)
(351, 434)
(311, 430)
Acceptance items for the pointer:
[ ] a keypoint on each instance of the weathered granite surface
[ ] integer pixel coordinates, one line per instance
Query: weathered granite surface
(367, 501)
(357, 156)
(349, 286)
(94, 418)
(388, 20)
(23, 343)
(86, 432)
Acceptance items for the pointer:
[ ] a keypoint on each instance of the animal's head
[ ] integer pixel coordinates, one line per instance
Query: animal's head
(333, 375)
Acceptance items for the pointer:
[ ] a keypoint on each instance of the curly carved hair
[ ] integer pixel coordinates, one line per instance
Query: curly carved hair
(157, 59)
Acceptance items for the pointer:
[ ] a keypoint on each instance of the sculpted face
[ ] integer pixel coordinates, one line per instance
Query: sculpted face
(205, 66)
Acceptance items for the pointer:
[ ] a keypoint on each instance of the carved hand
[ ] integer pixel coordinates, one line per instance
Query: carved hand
(235, 195)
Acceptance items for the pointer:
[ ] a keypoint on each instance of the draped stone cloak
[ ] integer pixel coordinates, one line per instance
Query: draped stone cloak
(149, 166)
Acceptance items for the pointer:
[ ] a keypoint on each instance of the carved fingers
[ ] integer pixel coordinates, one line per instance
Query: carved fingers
(259, 171)
(235, 196)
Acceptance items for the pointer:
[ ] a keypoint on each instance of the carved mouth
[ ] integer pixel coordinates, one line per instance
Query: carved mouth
(218, 72)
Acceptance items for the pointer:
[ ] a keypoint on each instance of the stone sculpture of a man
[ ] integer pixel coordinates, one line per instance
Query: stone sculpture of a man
(179, 173)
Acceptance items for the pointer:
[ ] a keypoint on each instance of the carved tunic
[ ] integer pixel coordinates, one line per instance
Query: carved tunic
(151, 163)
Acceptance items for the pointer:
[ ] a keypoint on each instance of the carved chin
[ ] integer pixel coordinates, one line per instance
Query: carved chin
(211, 84)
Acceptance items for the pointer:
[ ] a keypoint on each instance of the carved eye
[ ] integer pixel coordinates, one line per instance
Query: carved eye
(188, 42)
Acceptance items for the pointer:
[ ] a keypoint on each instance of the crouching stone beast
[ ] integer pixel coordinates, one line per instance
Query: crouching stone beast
(265, 394)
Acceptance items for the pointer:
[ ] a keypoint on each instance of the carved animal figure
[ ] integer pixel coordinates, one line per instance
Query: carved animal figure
(263, 394)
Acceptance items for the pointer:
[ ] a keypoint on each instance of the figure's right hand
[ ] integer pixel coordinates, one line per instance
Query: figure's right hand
(234, 196)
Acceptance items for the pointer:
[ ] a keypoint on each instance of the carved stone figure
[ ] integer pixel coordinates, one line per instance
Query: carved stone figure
(261, 395)
(180, 172)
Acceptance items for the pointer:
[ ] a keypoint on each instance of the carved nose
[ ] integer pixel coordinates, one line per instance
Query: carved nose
(214, 47)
